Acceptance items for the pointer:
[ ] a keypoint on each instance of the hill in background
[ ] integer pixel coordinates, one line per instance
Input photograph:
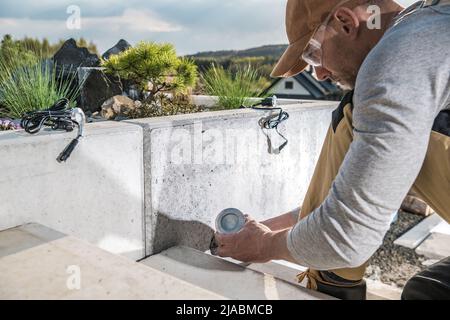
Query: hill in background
(273, 51)
(261, 58)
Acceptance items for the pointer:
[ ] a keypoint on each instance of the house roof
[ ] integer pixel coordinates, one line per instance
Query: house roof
(317, 89)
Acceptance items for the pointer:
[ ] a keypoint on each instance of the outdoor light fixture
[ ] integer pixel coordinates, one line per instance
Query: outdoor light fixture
(228, 221)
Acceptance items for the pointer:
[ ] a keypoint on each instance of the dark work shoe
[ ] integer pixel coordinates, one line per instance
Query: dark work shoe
(333, 285)
(431, 284)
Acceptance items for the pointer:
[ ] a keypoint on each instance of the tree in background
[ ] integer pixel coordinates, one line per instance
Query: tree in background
(13, 54)
(28, 47)
(153, 68)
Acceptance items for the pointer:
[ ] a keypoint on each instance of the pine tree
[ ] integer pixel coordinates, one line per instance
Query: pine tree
(156, 64)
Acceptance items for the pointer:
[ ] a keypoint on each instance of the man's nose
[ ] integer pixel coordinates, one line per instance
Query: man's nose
(321, 73)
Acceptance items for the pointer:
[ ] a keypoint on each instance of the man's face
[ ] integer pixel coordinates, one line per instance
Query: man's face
(343, 50)
(340, 60)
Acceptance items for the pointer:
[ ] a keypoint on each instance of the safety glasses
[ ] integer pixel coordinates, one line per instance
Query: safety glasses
(313, 51)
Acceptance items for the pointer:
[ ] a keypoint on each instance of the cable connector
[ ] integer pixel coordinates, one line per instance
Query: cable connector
(65, 154)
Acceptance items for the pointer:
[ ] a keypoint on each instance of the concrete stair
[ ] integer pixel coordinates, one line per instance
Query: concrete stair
(40, 263)
(37, 262)
(229, 279)
(287, 271)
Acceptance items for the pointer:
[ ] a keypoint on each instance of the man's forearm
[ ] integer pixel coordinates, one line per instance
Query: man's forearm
(276, 246)
(285, 221)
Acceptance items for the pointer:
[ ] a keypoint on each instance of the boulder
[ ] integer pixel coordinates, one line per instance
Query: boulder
(118, 107)
(415, 205)
(69, 58)
(120, 46)
(70, 55)
(97, 88)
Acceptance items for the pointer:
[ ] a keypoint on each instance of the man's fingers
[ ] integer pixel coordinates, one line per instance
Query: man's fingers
(223, 251)
(223, 239)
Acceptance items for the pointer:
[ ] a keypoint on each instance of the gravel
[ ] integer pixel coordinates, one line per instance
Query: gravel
(393, 264)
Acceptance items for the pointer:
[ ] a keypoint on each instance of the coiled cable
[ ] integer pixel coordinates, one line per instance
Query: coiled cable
(58, 117)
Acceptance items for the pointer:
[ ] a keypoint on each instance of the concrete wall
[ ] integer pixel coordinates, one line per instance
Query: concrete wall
(97, 195)
(141, 186)
(197, 165)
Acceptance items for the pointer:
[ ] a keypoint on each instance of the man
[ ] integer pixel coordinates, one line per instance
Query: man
(376, 148)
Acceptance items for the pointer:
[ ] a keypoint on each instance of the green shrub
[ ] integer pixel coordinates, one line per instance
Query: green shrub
(34, 87)
(233, 89)
(153, 63)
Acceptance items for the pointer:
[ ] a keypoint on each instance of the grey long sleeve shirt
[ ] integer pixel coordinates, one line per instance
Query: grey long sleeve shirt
(401, 87)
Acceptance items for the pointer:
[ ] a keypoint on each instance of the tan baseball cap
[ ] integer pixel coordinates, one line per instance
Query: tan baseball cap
(303, 17)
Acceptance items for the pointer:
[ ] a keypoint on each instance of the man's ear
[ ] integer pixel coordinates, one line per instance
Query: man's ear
(347, 22)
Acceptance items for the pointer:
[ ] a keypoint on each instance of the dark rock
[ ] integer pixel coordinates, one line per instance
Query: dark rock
(98, 87)
(72, 56)
(120, 46)
(67, 61)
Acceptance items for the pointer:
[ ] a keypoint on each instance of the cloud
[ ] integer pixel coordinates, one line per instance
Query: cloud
(191, 25)
(104, 31)
(132, 20)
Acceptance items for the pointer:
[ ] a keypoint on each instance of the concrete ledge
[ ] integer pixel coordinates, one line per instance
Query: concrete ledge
(226, 278)
(211, 101)
(97, 195)
(40, 263)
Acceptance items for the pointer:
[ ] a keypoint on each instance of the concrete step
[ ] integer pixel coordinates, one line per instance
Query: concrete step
(287, 271)
(436, 246)
(280, 269)
(412, 238)
(40, 263)
(226, 278)
(377, 290)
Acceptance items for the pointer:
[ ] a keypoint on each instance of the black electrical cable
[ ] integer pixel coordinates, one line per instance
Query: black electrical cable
(58, 117)
(271, 122)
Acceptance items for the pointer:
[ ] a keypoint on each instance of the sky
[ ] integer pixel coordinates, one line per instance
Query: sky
(191, 25)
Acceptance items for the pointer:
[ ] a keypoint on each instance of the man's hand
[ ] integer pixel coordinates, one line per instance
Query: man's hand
(255, 242)
(250, 244)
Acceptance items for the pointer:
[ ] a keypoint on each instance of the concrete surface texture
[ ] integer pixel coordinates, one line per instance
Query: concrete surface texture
(97, 195)
(39, 263)
(226, 278)
(141, 186)
(199, 164)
